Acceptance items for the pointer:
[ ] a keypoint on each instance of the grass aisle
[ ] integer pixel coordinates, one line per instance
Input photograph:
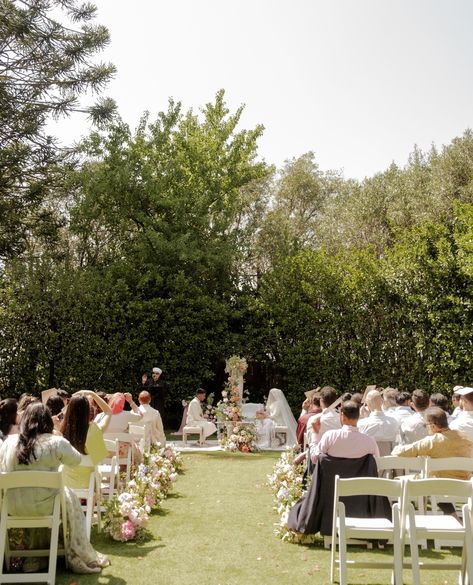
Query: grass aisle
(217, 529)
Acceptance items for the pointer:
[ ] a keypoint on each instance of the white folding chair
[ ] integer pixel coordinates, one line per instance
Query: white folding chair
(92, 496)
(446, 464)
(444, 527)
(34, 480)
(347, 527)
(107, 470)
(141, 435)
(124, 458)
(393, 466)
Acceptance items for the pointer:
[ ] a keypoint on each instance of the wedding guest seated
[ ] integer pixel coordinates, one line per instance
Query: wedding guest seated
(195, 415)
(151, 416)
(357, 397)
(36, 448)
(313, 407)
(403, 409)
(389, 400)
(348, 441)
(55, 405)
(8, 417)
(464, 421)
(346, 452)
(85, 435)
(440, 400)
(24, 401)
(319, 424)
(326, 420)
(413, 428)
(441, 442)
(120, 417)
(383, 428)
(66, 397)
(456, 401)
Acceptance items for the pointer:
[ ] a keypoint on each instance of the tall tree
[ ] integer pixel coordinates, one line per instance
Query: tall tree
(46, 64)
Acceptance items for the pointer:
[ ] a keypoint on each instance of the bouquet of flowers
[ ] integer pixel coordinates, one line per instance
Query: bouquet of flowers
(128, 512)
(126, 517)
(240, 437)
(286, 484)
(208, 408)
(172, 454)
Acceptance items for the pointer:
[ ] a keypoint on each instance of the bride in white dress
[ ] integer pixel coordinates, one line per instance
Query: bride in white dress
(278, 413)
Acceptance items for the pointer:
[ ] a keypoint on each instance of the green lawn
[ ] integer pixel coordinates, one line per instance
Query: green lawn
(217, 529)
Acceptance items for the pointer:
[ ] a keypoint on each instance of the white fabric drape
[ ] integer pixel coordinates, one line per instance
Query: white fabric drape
(279, 411)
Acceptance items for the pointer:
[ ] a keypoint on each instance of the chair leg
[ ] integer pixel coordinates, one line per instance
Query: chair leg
(333, 557)
(414, 549)
(3, 539)
(342, 555)
(397, 571)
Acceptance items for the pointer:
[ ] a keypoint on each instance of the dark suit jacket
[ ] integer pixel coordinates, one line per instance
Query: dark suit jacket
(313, 512)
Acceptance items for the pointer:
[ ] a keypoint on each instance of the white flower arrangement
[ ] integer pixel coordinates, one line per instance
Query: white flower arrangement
(127, 513)
(287, 487)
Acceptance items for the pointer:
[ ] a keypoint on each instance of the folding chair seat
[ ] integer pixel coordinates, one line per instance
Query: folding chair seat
(444, 527)
(32, 479)
(350, 527)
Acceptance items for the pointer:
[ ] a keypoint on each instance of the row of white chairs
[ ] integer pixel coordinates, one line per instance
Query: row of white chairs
(104, 481)
(411, 525)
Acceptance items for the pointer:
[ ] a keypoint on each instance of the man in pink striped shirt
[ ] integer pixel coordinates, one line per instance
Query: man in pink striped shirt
(348, 441)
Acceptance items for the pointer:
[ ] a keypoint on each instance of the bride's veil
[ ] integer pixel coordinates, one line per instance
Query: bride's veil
(279, 410)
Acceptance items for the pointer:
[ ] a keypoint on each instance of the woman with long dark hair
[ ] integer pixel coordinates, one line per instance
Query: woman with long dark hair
(36, 448)
(8, 416)
(85, 435)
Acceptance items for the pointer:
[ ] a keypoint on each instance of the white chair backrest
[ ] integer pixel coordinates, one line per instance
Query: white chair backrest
(437, 486)
(368, 486)
(406, 464)
(447, 464)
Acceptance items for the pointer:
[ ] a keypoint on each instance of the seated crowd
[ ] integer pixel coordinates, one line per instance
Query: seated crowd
(382, 422)
(66, 430)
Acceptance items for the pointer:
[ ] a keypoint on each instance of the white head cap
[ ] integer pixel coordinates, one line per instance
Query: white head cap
(157, 371)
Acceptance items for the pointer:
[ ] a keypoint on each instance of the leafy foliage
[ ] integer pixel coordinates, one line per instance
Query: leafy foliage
(45, 66)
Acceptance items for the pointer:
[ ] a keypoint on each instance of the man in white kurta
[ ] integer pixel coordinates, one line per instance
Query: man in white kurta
(152, 418)
(195, 416)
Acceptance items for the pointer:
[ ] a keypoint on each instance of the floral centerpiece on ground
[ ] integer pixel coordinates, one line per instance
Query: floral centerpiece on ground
(287, 486)
(240, 437)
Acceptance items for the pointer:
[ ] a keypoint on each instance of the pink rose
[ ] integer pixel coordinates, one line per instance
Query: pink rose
(128, 530)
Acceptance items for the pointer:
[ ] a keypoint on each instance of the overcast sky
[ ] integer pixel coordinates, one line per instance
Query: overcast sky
(359, 82)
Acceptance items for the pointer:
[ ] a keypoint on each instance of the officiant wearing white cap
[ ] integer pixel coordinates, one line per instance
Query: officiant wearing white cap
(156, 387)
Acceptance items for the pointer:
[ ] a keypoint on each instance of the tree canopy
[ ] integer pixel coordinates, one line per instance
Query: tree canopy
(47, 50)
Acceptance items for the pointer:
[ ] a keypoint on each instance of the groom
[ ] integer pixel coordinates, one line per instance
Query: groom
(195, 416)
